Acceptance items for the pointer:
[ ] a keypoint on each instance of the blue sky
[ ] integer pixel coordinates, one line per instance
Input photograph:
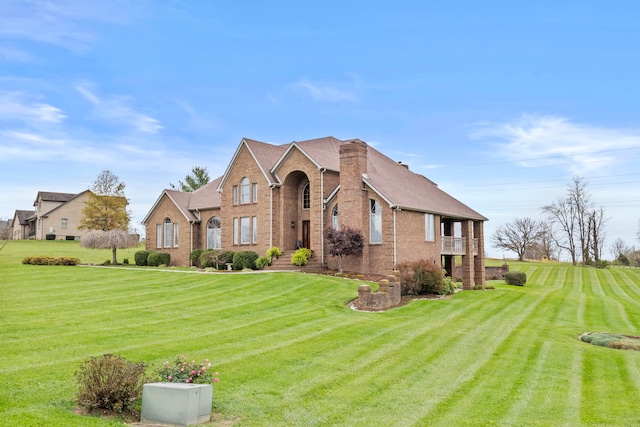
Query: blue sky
(500, 103)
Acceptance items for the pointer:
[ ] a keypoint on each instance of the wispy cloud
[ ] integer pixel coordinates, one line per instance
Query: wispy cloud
(22, 107)
(533, 141)
(115, 109)
(64, 23)
(331, 92)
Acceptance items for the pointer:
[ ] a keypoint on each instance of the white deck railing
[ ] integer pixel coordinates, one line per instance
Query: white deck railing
(457, 245)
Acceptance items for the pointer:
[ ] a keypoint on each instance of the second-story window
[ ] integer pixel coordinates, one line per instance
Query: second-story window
(245, 196)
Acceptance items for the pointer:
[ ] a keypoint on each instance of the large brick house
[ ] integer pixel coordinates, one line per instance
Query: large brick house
(284, 195)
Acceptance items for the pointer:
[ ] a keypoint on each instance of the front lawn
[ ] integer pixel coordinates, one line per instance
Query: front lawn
(290, 353)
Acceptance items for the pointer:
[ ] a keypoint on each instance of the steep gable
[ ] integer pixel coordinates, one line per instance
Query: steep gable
(265, 155)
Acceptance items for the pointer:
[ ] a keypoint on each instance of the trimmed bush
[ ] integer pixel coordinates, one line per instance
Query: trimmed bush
(262, 262)
(244, 259)
(109, 382)
(226, 257)
(210, 259)
(194, 257)
(157, 259)
(301, 257)
(515, 278)
(141, 257)
(422, 277)
(45, 260)
(125, 261)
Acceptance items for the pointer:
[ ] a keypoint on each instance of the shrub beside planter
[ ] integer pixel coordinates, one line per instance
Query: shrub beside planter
(176, 403)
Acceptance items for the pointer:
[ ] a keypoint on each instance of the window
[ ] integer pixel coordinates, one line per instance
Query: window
(244, 191)
(429, 228)
(63, 225)
(306, 197)
(334, 217)
(235, 194)
(214, 235)
(245, 229)
(175, 234)
(159, 236)
(254, 228)
(235, 231)
(167, 233)
(375, 223)
(254, 191)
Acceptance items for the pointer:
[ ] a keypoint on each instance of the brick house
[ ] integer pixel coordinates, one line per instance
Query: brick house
(281, 195)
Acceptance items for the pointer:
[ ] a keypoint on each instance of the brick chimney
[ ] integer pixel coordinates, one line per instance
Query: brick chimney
(352, 199)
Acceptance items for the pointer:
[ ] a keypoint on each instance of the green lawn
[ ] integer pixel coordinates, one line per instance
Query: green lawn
(290, 353)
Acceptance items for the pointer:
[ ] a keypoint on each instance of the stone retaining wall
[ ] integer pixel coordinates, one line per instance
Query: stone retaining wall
(387, 296)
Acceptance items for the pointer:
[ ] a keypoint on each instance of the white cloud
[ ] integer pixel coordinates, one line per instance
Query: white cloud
(326, 92)
(533, 141)
(19, 106)
(64, 23)
(115, 109)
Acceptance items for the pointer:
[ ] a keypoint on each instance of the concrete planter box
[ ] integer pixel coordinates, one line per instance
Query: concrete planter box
(176, 403)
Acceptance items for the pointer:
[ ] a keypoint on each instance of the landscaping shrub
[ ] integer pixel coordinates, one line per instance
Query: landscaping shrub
(301, 257)
(244, 259)
(515, 278)
(141, 257)
(274, 251)
(210, 259)
(157, 259)
(194, 257)
(422, 277)
(45, 260)
(226, 257)
(109, 382)
(262, 262)
(125, 261)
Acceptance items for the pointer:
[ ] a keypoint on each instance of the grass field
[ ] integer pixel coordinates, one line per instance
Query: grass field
(290, 353)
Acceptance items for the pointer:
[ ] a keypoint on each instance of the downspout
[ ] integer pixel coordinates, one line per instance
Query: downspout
(271, 215)
(191, 243)
(323, 207)
(395, 238)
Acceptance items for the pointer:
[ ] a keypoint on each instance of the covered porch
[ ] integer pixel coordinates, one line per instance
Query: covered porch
(464, 238)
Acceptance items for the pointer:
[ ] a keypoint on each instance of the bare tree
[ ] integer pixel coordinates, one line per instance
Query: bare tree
(106, 212)
(517, 236)
(581, 226)
(618, 247)
(638, 233)
(196, 179)
(561, 213)
(4, 229)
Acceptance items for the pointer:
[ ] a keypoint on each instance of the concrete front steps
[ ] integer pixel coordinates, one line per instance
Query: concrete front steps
(284, 263)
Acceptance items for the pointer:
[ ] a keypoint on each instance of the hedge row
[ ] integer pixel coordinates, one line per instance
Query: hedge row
(152, 258)
(45, 260)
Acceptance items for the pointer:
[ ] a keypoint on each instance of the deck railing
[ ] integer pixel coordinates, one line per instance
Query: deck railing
(457, 245)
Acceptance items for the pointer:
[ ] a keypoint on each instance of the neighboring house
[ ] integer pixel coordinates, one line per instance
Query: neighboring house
(284, 195)
(21, 228)
(57, 214)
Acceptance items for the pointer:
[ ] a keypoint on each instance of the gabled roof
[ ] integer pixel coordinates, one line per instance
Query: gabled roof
(264, 154)
(47, 196)
(205, 197)
(74, 196)
(407, 190)
(392, 181)
(22, 216)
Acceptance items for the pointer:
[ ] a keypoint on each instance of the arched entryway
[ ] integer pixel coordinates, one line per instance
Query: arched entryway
(296, 211)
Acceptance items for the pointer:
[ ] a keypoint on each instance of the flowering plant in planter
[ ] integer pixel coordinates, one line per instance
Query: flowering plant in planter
(183, 371)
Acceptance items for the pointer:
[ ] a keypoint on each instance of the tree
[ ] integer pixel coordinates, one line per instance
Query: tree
(581, 224)
(105, 213)
(638, 233)
(518, 236)
(618, 247)
(196, 179)
(343, 242)
(4, 229)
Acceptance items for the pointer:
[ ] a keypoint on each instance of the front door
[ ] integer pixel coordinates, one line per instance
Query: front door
(306, 234)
